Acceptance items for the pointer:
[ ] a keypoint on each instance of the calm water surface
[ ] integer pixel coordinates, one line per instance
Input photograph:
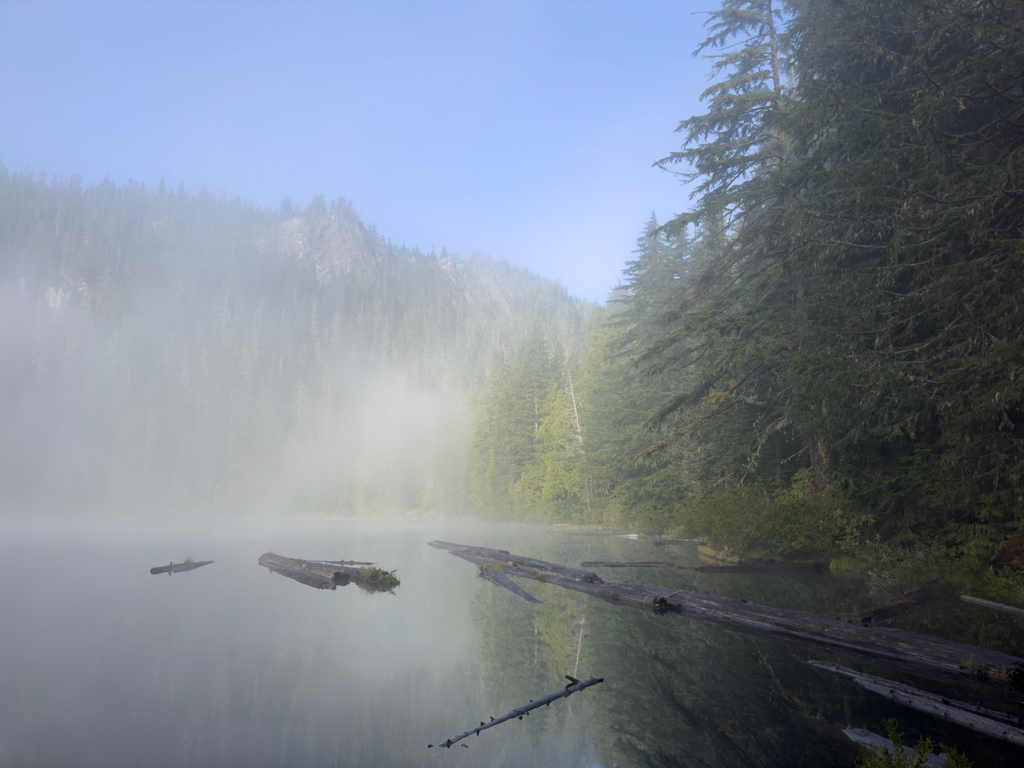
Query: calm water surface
(103, 664)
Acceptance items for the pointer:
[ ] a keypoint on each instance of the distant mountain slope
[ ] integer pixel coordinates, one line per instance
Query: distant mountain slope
(180, 353)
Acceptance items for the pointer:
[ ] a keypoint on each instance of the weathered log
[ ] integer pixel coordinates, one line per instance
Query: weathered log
(574, 686)
(179, 567)
(994, 606)
(500, 579)
(322, 575)
(970, 716)
(871, 740)
(894, 607)
(763, 566)
(884, 644)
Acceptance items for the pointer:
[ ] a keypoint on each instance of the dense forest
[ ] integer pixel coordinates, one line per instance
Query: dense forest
(825, 354)
(174, 353)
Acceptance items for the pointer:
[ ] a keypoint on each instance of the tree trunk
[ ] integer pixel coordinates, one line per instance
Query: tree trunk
(883, 644)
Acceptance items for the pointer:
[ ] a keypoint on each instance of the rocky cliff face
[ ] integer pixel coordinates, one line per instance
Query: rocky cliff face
(332, 245)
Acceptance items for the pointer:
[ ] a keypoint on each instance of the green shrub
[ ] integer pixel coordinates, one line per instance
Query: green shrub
(900, 757)
(799, 521)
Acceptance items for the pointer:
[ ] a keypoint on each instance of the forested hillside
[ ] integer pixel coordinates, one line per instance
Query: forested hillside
(827, 350)
(175, 353)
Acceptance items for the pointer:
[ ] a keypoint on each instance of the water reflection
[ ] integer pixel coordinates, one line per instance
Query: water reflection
(187, 565)
(228, 669)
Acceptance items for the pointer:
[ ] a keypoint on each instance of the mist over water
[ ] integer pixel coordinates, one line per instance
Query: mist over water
(104, 664)
(169, 354)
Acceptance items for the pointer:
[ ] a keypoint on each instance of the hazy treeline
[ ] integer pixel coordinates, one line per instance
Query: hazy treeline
(839, 351)
(178, 353)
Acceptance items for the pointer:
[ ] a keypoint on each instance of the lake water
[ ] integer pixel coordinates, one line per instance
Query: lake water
(104, 664)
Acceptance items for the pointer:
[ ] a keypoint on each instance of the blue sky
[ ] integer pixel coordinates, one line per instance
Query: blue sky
(521, 130)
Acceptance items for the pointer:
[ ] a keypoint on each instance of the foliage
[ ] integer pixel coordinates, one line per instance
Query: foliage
(792, 522)
(881, 757)
(375, 577)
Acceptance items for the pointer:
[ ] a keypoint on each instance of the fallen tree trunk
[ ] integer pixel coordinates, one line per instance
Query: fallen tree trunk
(970, 716)
(894, 607)
(178, 568)
(767, 566)
(994, 606)
(324, 575)
(894, 646)
(574, 686)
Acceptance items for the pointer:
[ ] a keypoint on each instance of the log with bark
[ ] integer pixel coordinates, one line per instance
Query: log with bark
(989, 722)
(321, 574)
(992, 605)
(573, 687)
(882, 644)
(179, 567)
(762, 566)
(894, 607)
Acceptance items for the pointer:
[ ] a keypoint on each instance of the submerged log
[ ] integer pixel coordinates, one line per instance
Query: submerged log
(894, 607)
(970, 716)
(870, 740)
(573, 686)
(894, 646)
(500, 579)
(994, 606)
(678, 542)
(600, 564)
(179, 567)
(320, 574)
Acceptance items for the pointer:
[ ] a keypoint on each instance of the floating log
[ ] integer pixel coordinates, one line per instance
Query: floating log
(990, 604)
(321, 575)
(970, 716)
(573, 686)
(495, 576)
(871, 740)
(678, 542)
(894, 646)
(761, 566)
(179, 567)
(894, 607)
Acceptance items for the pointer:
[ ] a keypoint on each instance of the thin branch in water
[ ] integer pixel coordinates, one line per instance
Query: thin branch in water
(574, 686)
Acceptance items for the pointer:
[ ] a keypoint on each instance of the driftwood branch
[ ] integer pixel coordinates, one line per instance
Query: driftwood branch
(180, 567)
(881, 644)
(321, 575)
(871, 740)
(574, 686)
(500, 579)
(994, 606)
(970, 716)
(341, 562)
(899, 605)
